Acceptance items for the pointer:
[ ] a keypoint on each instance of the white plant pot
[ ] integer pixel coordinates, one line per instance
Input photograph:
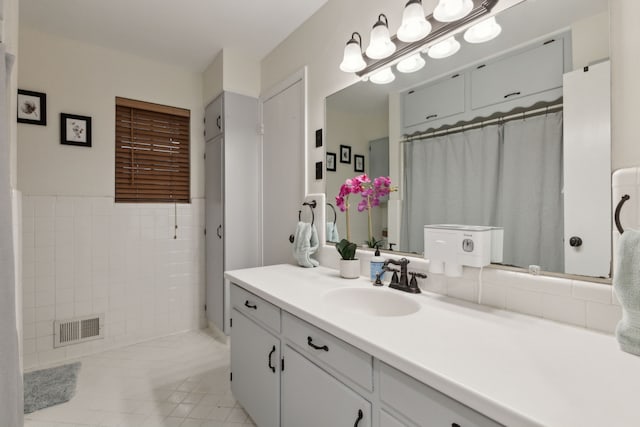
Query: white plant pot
(350, 268)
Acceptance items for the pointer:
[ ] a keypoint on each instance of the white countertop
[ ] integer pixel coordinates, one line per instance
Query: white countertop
(516, 369)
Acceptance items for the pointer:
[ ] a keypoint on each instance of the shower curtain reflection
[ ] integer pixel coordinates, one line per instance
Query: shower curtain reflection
(506, 175)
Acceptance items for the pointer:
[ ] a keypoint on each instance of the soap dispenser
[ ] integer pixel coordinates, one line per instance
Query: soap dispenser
(377, 264)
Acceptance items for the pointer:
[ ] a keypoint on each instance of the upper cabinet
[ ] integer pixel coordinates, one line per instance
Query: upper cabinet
(527, 73)
(434, 101)
(213, 119)
(515, 79)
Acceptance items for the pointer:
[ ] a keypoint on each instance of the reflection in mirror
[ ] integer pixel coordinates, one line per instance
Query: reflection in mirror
(459, 154)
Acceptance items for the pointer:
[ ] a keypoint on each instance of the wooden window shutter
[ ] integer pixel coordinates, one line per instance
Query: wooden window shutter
(152, 153)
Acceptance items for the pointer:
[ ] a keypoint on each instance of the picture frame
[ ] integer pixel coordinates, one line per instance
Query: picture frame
(75, 130)
(331, 162)
(345, 154)
(318, 170)
(318, 138)
(358, 163)
(32, 107)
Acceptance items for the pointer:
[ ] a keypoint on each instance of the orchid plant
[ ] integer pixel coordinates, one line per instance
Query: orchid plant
(370, 191)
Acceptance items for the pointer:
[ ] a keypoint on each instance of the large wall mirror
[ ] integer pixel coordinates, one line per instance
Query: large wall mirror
(493, 159)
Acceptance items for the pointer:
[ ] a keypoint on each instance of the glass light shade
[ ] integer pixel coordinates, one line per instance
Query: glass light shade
(411, 64)
(452, 10)
(352, 61)
(383, 76)
(445, 48)
(380, 44)
(414, 25)
(483, 31)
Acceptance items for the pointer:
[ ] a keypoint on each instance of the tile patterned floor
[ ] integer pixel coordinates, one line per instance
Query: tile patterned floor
(181, 380)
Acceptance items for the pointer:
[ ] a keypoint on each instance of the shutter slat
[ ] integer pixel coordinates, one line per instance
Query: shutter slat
(152, 157)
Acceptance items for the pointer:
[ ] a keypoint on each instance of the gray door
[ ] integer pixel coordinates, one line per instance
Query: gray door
(214, 216)
(282, 171)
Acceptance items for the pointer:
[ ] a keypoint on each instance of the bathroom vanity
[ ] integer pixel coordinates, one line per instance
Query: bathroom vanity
(309, 348)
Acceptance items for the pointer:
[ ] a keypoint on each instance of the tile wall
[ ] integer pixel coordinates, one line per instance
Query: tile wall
(87, 255)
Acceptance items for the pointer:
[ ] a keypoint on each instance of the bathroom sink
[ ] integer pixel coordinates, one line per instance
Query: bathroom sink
(371, 302)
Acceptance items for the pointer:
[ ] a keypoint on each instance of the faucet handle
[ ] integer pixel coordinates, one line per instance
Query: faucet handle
(413, 283)
(394, 278)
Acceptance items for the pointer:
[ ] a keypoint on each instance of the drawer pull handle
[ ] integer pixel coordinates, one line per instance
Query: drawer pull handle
(253, 306)
(511, 94)
(316, 347)
(218, 124)
(273, 350)
(431, 116)
(455, 425)
(360, 416)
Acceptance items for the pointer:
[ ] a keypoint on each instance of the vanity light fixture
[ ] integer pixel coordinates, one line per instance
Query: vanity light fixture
(452, 10)
(411, 64)
(444, 48)
(483, 31)
(380, 44)
(383, 76)
(352, 61)
(438, 40)
(414, 25)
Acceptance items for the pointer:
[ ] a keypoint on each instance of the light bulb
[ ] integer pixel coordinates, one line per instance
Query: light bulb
(352, 61)
(483, 31)
(383, 76)
(414, 25)
(411, 64)
(380, 44)
(445, 48)
(452, 10)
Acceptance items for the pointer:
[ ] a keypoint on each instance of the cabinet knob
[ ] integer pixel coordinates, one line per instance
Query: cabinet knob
(575, 242)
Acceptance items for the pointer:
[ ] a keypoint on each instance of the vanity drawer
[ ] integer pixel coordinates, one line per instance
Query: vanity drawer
(424, 405)
(255, 307)
(335, 353)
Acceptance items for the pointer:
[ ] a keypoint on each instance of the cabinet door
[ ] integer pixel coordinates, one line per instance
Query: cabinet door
(533, 71)
(434, 102)
(255, 357)
(213, 120)
(313, 398)
(214, 199)
(388, 420)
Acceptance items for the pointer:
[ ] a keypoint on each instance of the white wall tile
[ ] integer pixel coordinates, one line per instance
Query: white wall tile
(595, 292)
(44, 206)
(523, 301)
(564, 309)
(462, 289)
(494, 295)
(603, 317)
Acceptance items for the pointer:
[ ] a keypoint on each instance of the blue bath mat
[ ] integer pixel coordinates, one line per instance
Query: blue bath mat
(48, 387)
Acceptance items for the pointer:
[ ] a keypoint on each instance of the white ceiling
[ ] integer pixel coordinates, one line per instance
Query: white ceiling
(186, 32)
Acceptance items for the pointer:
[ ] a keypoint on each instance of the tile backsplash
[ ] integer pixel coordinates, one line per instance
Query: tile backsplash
(576, 302)
(89, 255)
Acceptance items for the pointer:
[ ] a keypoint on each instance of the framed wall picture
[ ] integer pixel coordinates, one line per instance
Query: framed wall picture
(358, 163)
(32, 107)
(75, 130)
(318, 138)
(318, 170)
(331, 162)
(345, 154)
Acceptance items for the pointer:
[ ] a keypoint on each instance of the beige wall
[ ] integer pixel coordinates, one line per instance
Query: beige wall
(84, 79)
(10, 18)
(625, 90)
(590, 40)
(234, 71)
